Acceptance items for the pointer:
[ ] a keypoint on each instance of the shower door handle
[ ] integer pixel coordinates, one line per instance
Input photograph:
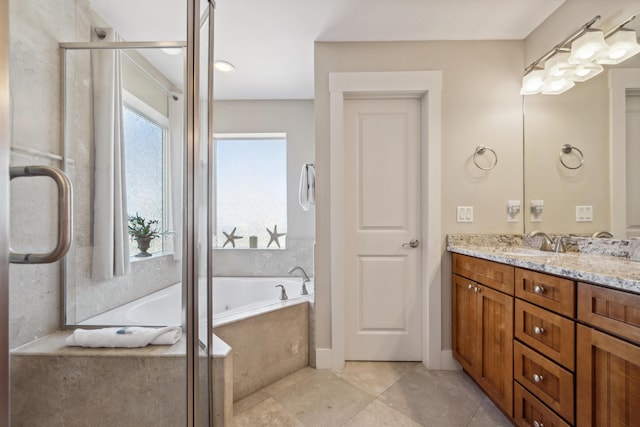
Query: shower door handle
(65, 214)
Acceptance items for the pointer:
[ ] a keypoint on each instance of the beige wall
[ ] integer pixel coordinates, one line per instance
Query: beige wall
(481, 105)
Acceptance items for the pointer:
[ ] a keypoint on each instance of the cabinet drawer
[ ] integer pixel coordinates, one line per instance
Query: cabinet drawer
(492, 274)
(549, 333)
(550, 292)
(551, 383)
(614, 311)
(530, 412)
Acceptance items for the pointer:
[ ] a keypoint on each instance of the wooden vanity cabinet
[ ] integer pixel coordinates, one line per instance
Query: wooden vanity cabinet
(483, 325)
(608, 363)
(544, 350)
(515, 332)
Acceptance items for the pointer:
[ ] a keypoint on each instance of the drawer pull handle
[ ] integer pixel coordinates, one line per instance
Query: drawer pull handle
(538, 290)
(469, 286)
(538, 330)
(537, 378)
(477, 289)
(537, 424)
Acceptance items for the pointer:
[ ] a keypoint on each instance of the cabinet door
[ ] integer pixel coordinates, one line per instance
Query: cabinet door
(495, 341)
(608, 380)
(464, 323)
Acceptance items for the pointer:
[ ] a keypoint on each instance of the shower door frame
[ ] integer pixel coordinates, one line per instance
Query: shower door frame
(4, 213)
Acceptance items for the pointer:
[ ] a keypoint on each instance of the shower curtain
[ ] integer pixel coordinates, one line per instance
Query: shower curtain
(110, 237)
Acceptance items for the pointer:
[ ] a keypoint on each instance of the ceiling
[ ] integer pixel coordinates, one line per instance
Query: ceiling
(271, 42)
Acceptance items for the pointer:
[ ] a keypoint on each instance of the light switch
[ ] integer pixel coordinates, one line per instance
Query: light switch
(584, 213)
(464, 214)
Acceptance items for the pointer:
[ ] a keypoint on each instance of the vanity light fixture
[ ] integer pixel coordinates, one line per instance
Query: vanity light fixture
(623, 44)
(532, 82)
(558, 66)
(588, 47)
(556, 87)
(579, 57)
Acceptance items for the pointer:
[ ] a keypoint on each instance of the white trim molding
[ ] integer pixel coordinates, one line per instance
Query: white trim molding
(426, 86)
(620, 81)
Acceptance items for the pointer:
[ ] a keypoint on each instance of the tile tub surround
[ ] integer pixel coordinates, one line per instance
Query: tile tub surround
(588, 265)
(75, 386)
(267, 347)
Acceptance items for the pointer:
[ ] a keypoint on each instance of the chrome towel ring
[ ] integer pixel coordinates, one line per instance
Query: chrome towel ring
(480, 150)
(567, 149)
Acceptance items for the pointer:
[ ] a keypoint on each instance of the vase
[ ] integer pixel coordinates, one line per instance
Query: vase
(143, 245)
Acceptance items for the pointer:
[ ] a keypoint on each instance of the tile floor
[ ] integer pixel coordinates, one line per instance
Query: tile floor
(370, 394)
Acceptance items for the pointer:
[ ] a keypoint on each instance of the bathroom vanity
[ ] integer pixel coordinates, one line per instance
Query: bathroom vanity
(552, 339)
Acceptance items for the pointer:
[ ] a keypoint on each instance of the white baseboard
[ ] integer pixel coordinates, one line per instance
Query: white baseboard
(448, 363)
(324, 358)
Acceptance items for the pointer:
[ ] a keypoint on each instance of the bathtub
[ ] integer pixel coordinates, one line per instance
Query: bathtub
(269, 337)
(234, 299)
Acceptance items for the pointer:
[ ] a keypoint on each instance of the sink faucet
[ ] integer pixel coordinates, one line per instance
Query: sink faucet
(305, 278)
(602, 234)
(560, 246)
(547, 241)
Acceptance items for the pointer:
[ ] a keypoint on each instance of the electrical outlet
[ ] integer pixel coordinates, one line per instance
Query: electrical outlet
(464, 214)
(584, 213)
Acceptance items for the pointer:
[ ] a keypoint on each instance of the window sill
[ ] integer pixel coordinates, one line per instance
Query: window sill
(249, 249)
(154, 255)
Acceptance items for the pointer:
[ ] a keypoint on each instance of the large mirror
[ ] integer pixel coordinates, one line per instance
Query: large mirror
(594, 189)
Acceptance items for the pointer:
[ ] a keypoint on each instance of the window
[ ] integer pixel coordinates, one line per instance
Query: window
(251, 190)
(145, 145)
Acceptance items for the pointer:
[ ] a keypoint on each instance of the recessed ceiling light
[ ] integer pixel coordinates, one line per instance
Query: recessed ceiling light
(224, 66)
(172, 50)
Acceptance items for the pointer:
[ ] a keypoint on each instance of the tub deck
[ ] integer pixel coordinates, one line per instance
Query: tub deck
(76, 384)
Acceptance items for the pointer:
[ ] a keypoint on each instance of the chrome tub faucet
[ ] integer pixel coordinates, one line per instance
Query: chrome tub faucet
(305, 278)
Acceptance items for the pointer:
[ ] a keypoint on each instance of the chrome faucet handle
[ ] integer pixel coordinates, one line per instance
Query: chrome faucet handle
(283, 293)
(547, 242)
(560, 245)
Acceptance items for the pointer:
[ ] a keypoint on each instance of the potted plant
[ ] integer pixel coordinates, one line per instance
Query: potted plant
(143, 231)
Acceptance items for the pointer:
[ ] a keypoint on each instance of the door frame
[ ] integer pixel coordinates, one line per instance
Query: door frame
(426, 86)
(619, 81)
(5, 137)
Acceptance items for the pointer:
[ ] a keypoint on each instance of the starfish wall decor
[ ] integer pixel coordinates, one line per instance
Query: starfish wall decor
(274, 236)
(231, 237)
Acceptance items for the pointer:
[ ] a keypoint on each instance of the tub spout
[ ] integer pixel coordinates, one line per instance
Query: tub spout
(305, 276)
(283, 293)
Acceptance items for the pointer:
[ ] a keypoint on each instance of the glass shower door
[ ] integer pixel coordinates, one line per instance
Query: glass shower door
(162, 115)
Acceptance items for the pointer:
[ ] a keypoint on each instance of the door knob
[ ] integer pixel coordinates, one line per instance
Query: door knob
(413, 243)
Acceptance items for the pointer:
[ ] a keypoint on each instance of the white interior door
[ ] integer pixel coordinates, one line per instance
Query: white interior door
(383, 301)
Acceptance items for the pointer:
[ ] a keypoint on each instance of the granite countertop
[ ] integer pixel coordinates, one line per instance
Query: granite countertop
(617, 272)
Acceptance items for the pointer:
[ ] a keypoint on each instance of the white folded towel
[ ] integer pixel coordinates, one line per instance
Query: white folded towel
(129, 337)
(307, 196)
